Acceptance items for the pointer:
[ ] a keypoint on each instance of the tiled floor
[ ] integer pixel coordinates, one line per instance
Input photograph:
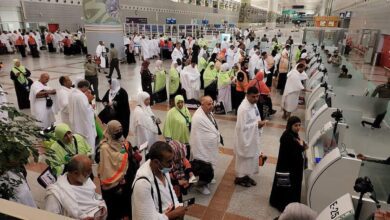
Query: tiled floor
(227, 201)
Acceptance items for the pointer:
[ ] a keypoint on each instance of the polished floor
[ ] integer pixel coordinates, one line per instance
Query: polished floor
(227, 201)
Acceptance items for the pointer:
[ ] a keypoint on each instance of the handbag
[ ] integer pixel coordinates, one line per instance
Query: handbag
(107, 114)
(49, 102)
(219, 108)
(283, 180)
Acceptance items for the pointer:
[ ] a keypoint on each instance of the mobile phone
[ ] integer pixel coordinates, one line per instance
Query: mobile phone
(189, 202)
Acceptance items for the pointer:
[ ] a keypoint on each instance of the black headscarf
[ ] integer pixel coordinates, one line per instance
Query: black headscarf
(291, 121)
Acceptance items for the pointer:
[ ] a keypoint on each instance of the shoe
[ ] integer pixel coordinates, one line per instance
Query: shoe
(273, 112)
(213, 181)
(98, 100)
(250, 180)
(119, 78)
(203, 190)
(242, 182)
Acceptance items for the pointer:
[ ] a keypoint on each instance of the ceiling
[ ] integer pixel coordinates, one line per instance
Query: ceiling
(310, 5)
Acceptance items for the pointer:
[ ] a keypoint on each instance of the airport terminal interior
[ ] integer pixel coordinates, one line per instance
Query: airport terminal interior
(266, 66)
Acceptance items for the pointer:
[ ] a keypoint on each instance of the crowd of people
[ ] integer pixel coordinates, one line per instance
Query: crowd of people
(147, 179)
(32, 42)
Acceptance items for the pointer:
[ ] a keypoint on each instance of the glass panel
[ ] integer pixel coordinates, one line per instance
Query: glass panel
(379, 176)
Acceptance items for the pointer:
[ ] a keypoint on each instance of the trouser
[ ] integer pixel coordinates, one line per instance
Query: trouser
(94, 81)
(118, 202)
(22, 50)
(378, 120)
(114, 64)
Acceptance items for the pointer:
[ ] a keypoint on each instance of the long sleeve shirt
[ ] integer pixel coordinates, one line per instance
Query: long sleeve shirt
(90, 69)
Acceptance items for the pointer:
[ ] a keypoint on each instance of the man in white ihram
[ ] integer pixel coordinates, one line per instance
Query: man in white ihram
(81, 113)
(100, 52)
(73, 195)
(40, 94)
(190, 81)
(247, 138)
(204, 141)
(63, 98)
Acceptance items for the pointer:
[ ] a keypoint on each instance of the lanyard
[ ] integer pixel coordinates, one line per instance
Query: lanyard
(211, 118)
(159, 194)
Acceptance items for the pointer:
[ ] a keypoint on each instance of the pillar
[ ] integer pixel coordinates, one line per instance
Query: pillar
(102, 23)
(272, 10)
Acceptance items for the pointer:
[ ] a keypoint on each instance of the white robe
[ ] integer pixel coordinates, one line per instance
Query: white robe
(22, 192)
(156, 47)
(290, 98)
(190, 81)
(216, 50)
(82, 117)
(146, 49)
(143, 126)
(38, 106)
(177, 54)
(5, 40)
(230, 54)
(204, 138)
(62, 103)
(252, 65)
(263, 65)
(76, 201)
(225, 96)
(100, 52)
(224, 45)
(247, 139)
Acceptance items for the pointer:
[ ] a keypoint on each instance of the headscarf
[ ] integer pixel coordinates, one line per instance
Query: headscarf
(115, 87)
(225, 67)
(259, 83)
(291, 121)
(179, 153)
(146, 119)
(183, 110)
(145, 65)
(22, 70)
(113, 158)
(141, 97)
(60, 131)
(159, 64)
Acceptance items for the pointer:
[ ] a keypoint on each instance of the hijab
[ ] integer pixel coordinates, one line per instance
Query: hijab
(259, 83)
(183, 110)
(291, 121)
(113, 158)
(20, 69)
(60, 131)
(145, 65)
(146, 118)
(115, 87)
(159, 66)
(179, 154)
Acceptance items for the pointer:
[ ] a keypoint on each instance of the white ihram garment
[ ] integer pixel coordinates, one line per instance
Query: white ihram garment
(290, 98)
(38, 105)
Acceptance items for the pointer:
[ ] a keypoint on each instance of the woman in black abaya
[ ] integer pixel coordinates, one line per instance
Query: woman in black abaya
(290, 160)
(116, 102)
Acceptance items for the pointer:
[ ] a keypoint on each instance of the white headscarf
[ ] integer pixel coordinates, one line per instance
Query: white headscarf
(159, 66)
(225, 67)
(115, 87)
(145, 119)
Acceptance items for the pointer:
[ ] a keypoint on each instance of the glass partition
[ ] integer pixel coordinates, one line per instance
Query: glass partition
(379, 176)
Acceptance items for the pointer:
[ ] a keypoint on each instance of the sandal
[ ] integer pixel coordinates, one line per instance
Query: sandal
(242, 182)
(250, 181)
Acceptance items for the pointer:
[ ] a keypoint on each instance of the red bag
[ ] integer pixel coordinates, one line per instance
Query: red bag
(97, 60)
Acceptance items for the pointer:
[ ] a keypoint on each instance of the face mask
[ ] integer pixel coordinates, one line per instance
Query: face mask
(165, 170)
(117, 135)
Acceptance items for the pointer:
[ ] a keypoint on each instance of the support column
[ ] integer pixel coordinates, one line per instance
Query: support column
(102, 23)
(244, 15)
(271, 13)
